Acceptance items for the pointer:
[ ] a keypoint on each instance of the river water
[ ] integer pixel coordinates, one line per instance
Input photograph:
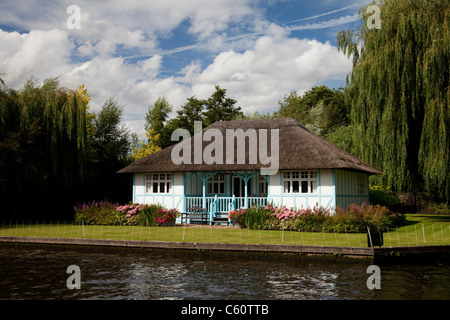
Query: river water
(41, 273)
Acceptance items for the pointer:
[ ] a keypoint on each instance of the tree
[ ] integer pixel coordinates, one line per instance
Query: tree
(141, 149)
(108, 153)
(219, 107)
(216, 107)
(43, 148)
(320, 108)
(86, 98)
(156, 118)
(399, 93)
(110, 138)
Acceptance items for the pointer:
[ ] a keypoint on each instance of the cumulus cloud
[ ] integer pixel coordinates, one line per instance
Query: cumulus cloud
(117, 53)
(40, 53)
(262, 75)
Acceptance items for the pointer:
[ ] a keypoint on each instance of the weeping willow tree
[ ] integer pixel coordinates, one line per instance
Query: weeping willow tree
(399, 93)
(43, 142)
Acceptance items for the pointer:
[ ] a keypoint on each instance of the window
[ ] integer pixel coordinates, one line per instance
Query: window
(300, 182)
(216, 184)
(262, 186)
(158, 183)
(362, 184)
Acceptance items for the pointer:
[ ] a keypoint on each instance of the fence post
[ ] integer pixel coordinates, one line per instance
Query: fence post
(423, 231)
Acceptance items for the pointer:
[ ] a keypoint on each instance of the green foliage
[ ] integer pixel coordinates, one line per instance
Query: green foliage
(383, 196)
(98, 213)
(43, 146)
(237, 216)
(320, 109)
(355, 219)
(399, 94)
(166, 217)
(133, 214)
(110, 141)
(156, 120)
(342, 137)
(148, 213)
(255, 217)
(216, 107)
(219, 107)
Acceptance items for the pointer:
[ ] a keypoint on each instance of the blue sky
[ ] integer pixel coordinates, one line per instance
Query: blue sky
(137, 51)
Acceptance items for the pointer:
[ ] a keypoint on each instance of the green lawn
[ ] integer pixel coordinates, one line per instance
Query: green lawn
(419, 230)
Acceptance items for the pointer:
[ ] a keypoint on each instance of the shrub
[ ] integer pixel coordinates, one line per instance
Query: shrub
(318, 219)
(383, 196)
(165, 216)
(131, 213)
(147, 215)
(94, 212)
(237, 216)
(255, 217)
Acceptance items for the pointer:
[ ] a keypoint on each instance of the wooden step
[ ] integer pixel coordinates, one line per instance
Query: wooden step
(220, 220)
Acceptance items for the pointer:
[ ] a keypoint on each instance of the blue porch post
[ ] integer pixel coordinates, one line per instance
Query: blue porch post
(184, 191)
(246, 179)
(204, 177)
(204, 191)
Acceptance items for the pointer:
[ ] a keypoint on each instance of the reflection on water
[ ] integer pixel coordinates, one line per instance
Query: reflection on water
(41, 274)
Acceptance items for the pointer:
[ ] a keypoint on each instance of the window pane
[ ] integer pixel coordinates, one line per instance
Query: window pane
(222, 188)
(313, 174)
(314, 186)
(216, 188)
(287, 187)
(304, 174)
(209, 188)
(286, 175)
(169, 177)
(155, 187)
(161, 187)
(295, 186)
(155, 177)
(304, 186)
(295, 175)
(169, 187)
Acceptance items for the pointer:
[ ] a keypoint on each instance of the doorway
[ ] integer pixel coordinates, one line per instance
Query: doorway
(238, 186)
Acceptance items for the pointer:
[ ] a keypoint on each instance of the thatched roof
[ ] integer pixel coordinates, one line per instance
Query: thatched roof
(299, 149)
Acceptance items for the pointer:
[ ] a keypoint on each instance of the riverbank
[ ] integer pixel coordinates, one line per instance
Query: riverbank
(259, 251)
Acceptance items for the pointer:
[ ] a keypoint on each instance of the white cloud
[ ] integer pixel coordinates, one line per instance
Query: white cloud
(262, 75)
(254, 59)
(38, 53)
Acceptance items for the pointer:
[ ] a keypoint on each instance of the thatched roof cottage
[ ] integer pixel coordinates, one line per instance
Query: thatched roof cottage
(234, 164)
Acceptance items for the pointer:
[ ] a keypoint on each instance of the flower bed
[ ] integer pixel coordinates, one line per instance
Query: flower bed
(96, 212)
(166, 217)
(105, 213)
(354, 219)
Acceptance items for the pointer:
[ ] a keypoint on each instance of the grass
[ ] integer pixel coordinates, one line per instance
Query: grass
(418, 230)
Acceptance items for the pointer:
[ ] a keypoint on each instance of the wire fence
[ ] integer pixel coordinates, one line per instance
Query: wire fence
(418, 234)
